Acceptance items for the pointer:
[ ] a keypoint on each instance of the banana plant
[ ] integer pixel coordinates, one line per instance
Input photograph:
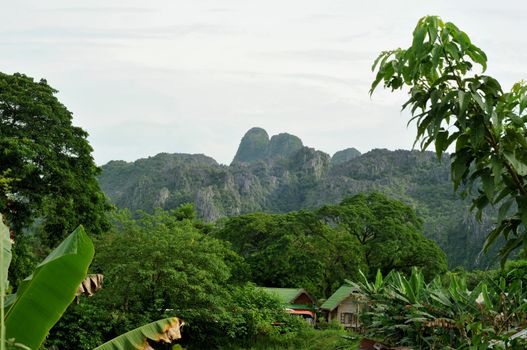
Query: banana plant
(42, 298)
(165, 330)
(5, 260)
(411, 312)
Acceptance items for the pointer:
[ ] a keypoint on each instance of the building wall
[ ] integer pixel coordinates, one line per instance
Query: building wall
(350, 305)
(333, 315)
(347, 313)
(303, 299)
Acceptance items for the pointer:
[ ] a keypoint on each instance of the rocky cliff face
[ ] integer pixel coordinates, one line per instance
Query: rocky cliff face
(280, 175)
(344, 156)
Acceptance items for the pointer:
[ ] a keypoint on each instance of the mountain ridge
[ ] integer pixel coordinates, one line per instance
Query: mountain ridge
(294, 178)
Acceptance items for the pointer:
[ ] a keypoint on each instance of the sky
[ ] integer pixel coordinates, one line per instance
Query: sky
(192, 76)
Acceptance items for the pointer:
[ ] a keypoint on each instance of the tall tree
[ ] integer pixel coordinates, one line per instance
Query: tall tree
(452, 104)
(294, 250)
(46, 167)
(389, 232)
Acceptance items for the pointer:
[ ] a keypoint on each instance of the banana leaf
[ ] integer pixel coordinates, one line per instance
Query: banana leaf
(6, 246)
(165, 330)
(42, 298)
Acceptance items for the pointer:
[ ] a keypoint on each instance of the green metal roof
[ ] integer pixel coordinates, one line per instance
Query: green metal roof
(286, 295)
(336, 298)
(298, 307)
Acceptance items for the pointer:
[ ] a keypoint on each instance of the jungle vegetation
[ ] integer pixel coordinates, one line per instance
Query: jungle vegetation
(265, 220)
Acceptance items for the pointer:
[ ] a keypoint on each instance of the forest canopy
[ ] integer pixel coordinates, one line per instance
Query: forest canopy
(47, 171)
(318, 249)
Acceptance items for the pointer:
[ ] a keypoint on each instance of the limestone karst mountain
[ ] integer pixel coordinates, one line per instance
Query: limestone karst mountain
(256, 145)
(279, 174)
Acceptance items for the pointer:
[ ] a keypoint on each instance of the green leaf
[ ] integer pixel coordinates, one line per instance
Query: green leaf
(409, 291)
(479, 101)
(464, 40)
(459, 167)
(463, 101)
(6, 244)
(521, 201)
(441, 297)
(382, 55)
(380, 74)
(502, 194)
(436, 52)
(378, 280)
(478, 134)
(492, 236)
(453, 50)
(478, 56)
(496, 167)
(42, 298)
(486, 297)
(518, 165)
(165, 330)
(376, 82)
(461, 142)
(509, 247)
(388, 70)
(432, 29)
(419, 36)
(504, 209)
(365, 281)
(488, 185)
(441, 142)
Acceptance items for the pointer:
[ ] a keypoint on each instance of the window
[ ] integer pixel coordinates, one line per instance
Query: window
(346, 317)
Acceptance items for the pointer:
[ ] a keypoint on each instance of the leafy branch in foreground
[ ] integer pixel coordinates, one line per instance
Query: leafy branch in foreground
(452, 105)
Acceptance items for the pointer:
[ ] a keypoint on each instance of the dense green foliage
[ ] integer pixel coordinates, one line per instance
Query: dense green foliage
(47, 173)
(408, 311)
(389, 233)
(305, 339)
(319, 249)
(356, 212)
(163, 265)
(293, 250)
(45, 163)
(453, 105)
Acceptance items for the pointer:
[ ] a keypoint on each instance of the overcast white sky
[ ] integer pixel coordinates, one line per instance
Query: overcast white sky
(193, 76)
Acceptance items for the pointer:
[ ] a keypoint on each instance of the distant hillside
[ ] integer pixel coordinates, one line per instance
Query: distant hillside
(279, 174)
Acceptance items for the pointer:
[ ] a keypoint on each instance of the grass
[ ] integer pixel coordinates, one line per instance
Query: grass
(307, 339)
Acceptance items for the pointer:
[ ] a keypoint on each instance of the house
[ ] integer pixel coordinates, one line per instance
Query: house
(345, 306)
(296, 301)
